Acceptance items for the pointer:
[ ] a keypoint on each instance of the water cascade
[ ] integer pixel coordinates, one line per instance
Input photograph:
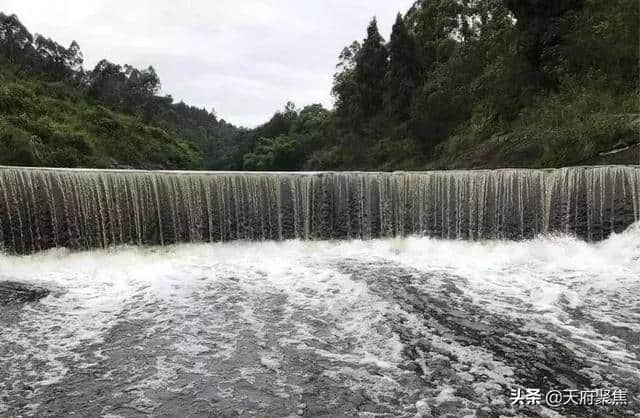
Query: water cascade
(42, 208)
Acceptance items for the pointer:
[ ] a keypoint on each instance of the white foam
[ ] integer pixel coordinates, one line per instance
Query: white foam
(208, 297)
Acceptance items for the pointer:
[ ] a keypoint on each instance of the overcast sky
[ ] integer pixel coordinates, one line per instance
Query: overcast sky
(244, 58)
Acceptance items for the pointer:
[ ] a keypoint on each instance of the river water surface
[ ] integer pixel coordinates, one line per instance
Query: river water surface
(399, 327)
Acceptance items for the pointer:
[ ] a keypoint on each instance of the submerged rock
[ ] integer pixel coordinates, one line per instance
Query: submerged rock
(16, 292)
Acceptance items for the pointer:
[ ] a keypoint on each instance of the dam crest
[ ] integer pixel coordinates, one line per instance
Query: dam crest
(42, 208)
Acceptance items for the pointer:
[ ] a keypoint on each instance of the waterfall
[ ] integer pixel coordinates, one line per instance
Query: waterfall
(42, 208)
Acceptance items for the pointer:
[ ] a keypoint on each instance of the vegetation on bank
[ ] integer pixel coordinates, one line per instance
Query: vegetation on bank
(459, 84)
(48, 124)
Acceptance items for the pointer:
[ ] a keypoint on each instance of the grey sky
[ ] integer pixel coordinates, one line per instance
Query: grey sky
(245, 58)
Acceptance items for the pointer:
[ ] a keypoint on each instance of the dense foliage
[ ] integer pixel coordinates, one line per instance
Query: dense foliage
(460, 83)
(53, 112)
(48, 124)
(492, 83)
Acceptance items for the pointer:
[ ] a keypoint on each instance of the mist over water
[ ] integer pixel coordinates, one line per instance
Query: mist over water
(409, 327)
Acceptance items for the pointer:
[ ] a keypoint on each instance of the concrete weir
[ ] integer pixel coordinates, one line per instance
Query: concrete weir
(42, 208)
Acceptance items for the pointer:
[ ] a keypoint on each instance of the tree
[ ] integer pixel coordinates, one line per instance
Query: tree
(598, 41)
(107, 83)
(311, 119)
(504, 77)
(280, 153)
(56, 61)
(345, 88)
(370, 71)
(280, 123)
(16, 42)
(534, 19)
(38, 54)
(125, 88)
(435, 24)
(404, 72)
(142, 83)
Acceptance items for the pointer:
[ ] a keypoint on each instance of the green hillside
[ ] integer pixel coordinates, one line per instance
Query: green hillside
(47, 124)
(459, 84)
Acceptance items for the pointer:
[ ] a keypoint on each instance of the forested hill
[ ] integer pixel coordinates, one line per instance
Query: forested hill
(55, 113)
(459, 84)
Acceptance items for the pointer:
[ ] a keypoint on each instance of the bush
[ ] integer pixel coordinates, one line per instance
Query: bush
(15, 98)
(17, 147)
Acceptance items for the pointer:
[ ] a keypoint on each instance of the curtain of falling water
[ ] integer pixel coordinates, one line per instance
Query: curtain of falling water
(44, 208)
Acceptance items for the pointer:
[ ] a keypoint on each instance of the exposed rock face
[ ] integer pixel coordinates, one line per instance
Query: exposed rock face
(44, 208)
(16, 292)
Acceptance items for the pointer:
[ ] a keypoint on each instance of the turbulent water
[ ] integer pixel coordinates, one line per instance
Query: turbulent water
(388, 327)
(44, 208)
(224, 294)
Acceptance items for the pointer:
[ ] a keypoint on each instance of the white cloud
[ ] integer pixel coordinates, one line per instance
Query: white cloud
(243, 58)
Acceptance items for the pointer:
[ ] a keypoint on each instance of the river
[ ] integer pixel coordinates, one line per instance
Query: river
(403, 327)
